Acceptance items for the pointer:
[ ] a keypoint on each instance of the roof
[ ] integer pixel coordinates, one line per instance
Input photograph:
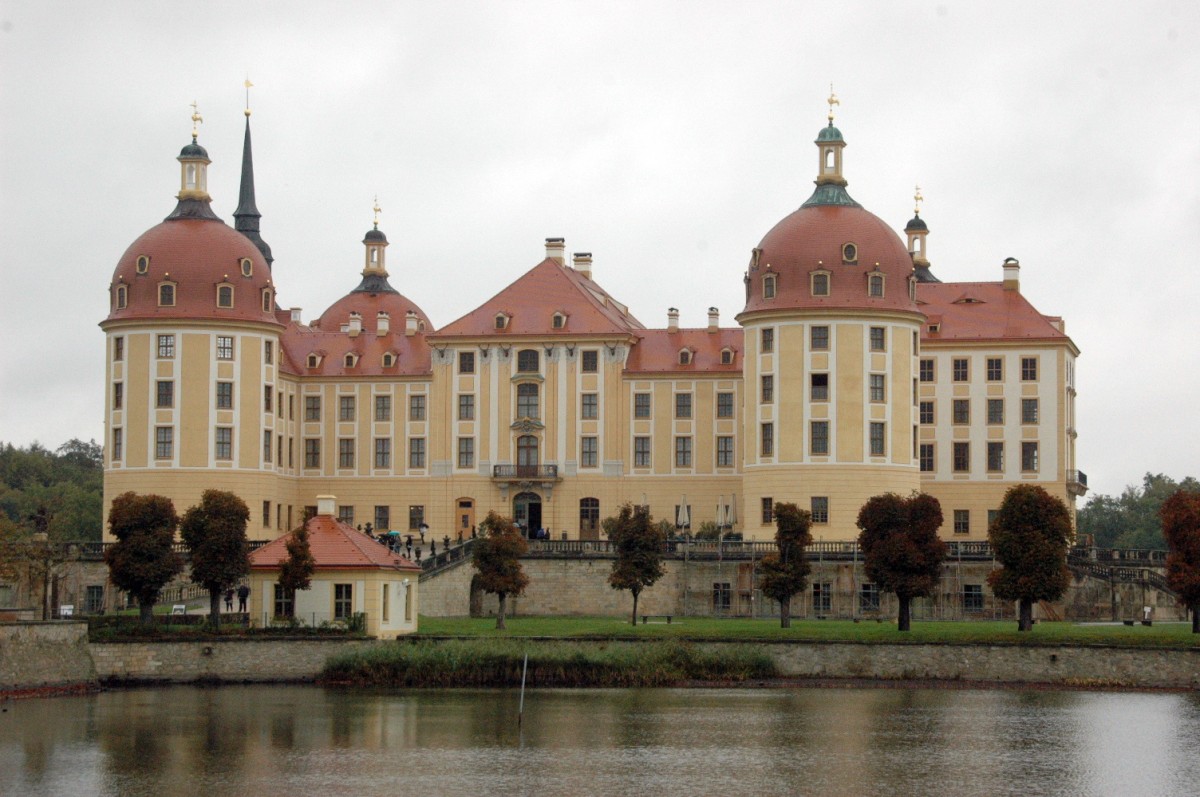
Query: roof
(411, 352)
(982, 311)
(532, 300)
(334, 546)
(657, 351)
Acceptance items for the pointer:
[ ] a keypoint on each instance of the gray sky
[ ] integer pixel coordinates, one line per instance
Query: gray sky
(664, 137)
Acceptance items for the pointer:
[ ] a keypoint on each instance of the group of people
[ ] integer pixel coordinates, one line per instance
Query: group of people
(243, 594)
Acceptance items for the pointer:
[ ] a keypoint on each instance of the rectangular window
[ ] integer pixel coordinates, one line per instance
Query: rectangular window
(118, 349)
(926, 370)
(1029, 411)
(117, 439)
(224, 443)
(416, 452)
(266, 513)
(466, 452)
(346, 408)
(819, 387)
(466, 362)
(346, 515)
(995, 411)
(992, 513)
(590, 410)
(962, 521)
(683, 405)
(768, 510)
(767, 440)
(641, 405)
(641, 452)
(166, 346)
(724, 405)
(291, 406)
(820, 509)
(926, 412)
(346, 453)
(268, 396)
(960, 369)
(164, 442)
(291, 459)
(312, 408)
(312, 452)
(1029, 369)
(224, 347)
(224, 395)
(268, 351)
(877, 439)
(962, 457)
(722, 596)
(724, 452)
(877, 339)
(768, 388)
(1029, 456)
(383, 409)
(972, 597)
(383, 452)
(819, 441)
(165, 395)
(819, 338)
(683, 452)
(466, 407)
(995, 369)
(267, 446)
(383, 518)
(768, 341)
(995, 456)
(925, 455)
(343, 601)
(961, 411)
(868, 598)
(588, 452)
(822, 598)
(589, 361)
(416, 517)
(283, 602)
(94, 600)
(877, 389)
(416, 408)
(118, 395)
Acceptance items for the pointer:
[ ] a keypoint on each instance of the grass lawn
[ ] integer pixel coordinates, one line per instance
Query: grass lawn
(1173, 635)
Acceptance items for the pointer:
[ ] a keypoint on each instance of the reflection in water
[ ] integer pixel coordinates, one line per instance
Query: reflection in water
(295, 740)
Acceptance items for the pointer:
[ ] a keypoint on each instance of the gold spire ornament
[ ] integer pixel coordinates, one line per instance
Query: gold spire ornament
(917, 200)
(197, 119)
(248, 85)
(376, 209)
(833, 100)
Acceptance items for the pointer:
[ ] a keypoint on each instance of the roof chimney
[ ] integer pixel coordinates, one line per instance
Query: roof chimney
(410, 323)
(714, 319)
(583, 263)
(556, 250)
(355, 324)
(1012, 274)
(326, 505)
(295, 311)
(382, 323)
(672, 319)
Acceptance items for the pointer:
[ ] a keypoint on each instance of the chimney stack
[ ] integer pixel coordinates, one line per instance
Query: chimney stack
(583, 263)
(326, 505)
(410, 323)
(672, 319)
(556, 250)
(355, 324)
(382, 324)
(714, 319)
(1012, 274)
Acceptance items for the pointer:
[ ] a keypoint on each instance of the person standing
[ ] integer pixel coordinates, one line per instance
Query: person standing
(243, 594)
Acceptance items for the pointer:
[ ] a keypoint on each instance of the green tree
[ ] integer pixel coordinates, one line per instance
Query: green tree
(1030, 537)
(1131, 520)
(295, 572)
(497, 558)
(56, 493)
(784, 572)
(143, 559)
(1181, 525)
(638, 542)
(215, 534)
(901, 548)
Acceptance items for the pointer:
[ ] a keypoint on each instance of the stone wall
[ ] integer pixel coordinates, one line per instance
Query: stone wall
(38, 655)
(240, 661)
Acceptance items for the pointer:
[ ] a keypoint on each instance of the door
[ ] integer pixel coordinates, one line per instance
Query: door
(464, 518)
(527, 512)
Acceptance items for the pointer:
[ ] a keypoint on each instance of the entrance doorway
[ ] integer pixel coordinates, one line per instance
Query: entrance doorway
(464, 517)
(527, 512)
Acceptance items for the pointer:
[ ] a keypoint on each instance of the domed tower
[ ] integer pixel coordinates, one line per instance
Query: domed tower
(192, 356)
(917, 230)
(831, 336)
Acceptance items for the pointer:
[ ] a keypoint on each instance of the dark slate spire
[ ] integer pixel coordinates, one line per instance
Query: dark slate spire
(246, 216)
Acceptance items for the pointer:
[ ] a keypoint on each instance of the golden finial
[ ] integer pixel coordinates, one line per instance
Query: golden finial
(833, 100)
(248, 85)
(376, 209)
(917, 200)
(196, 120)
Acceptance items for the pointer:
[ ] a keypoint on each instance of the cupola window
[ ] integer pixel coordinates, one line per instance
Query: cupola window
(122, 297)
(266, 300)
(912, 289)
(849, 254)
(769, 286)
(166, 294)
(820, 283)
(875, 286)
(247, 266)
(143, 264)
(225, 296)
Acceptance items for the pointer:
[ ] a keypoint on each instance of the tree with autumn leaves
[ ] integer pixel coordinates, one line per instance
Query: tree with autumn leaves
(215, 534)
(901, 548)
(296, 571)
(1180, 516)
(784, 572)
(497, 558)
(638, 543)
(1030, 537)
(142, 561)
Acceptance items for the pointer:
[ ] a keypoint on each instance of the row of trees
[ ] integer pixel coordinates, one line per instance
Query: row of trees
(1131, 519)
(56, 493)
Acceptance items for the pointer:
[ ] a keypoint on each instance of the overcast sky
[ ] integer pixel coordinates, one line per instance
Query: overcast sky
(664, 137)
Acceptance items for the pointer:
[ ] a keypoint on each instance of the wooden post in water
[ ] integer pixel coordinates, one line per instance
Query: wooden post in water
(521, 707)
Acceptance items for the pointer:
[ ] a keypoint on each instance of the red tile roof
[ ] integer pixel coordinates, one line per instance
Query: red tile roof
(334, 546)
(657, 351)
(982, 311)
(411, 352)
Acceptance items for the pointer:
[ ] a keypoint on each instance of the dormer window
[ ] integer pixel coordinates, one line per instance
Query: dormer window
(266, 300)
(122, 297)
(726, 356)
(769, 286)
(166, 294)
(875, 285)
(501, 321)
(849, 254)
(389, 359)
(143, 264)
(314, 361)
(559, 321)
(912, 289)
(935, 328)
(225, 296)
(685, 356)
(247, 266)
(820, 283)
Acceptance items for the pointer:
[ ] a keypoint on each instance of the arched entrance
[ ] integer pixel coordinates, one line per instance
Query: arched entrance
(527, 512)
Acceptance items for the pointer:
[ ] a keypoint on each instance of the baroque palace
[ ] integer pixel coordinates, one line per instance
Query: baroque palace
(853, 371)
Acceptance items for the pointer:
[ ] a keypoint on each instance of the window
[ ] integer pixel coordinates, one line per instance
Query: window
(466, 452)
(685, 356)
(962, 521)
(926, 370)
(995, 456)
(588, 452)
(722, 596)
(641, 452)
(559, 321)
(768, 388)
(819, 437)
(683, 452)
(589, 515)
(995, 411)
(247, 267)
(346, 515)
(283, 602)
(266, 300)
(466, 407)
(849, 254)
(819, 387)
(266, 507)
(416, 408)
(875, 286)
(590, 409)
(876, 387)
(959, 370)
(589, 361)
(118, 395)
(527, 451)
(961, 411)
(224, 347)
(166, 346)
(527, 361)
(164, 442)
(726, 356)
(119, 349)
(1029, 410)
(166, 295)
(466, 362)
(501, 321)
(877, 439)
(383, 452)
(820, 284)
(972, 597)
(351, 360)
(268, 352)
(962, 457)
(768, 340)
(122, 297)
(1029, 456)
(383, 408)
(819, 338)
(925, 456)
(343, 601)
(995, 369)
(416, 517)
(527, 401)
(291, 407)
(268, 395)
(346, 453)
(926, 412)
(389, 360)
(225, 296)
(143, 264)
(769, 286)
(767, 440)
(312, 408)
(683, 405)
(165, 394)
(868, 598)
(312, 452)
(313, 360)
(383, 521)
(345, 408)
(877, 339)
(1029, 369)
(224, 442)
(820, 509)
(822, 598)
(768, 510)
(724, 452)
(724, 405)
(117, 439)
(641, 405)
(416, 452)
(267, 446)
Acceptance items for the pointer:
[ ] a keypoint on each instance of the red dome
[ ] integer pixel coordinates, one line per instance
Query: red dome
(197, 256)
(815, 238)
(369, 305)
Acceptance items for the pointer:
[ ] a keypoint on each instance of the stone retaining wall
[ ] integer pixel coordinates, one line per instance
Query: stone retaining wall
(41, 655)
(230, 661)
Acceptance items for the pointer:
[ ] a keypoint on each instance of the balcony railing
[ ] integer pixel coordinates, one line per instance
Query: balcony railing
(531, 472)
(1077, 476)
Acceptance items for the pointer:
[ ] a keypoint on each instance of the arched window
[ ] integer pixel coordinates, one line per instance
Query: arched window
(191, 175)
(726, 356)
(769, 286)
(314, 360)
(829, 159)
(266, 297)
(122, 297)
(350, 360)
(875, 286)
(685, 357)
(527, 400)
(527, 453)
(820, 284)
(225, 296)
(166, 294)
(589, 516)
(389, 359)
(527, 361)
